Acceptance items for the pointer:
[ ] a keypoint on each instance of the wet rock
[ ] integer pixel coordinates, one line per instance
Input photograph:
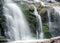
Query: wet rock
(3, 41)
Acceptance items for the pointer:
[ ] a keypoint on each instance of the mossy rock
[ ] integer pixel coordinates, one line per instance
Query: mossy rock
(45, 28)
(2, 37)
(47, 35)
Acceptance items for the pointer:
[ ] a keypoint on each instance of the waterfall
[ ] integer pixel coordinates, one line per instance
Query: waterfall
(40, 32)
(55, 24)
(49, 19)
(57, 20)
(17, 26)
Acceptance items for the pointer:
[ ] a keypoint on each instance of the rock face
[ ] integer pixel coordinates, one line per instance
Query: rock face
(2, 40)
(0, 14)
(0, 7)
(1, 19)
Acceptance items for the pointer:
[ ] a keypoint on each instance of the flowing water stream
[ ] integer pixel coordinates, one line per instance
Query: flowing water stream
(40, 32)
(17, 26)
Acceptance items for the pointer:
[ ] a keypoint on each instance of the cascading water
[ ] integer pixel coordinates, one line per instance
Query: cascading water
(57, 20)
(49, 19)
(17, 26)
(54, 25)
(40, 32)
(49, 22)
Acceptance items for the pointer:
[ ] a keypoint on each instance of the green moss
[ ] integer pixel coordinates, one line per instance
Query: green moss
(45, 28)
(46, 31)
(2, 37)
(47, 34)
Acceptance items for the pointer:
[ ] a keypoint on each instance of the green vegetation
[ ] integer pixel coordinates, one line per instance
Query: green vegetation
(46, 31)
(45, 28)
(2, 37)
(2, 21)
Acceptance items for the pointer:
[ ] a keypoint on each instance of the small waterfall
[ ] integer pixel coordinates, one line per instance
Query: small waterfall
(55, 24)
(17, 26)
(49, 19)
(40, 32)
(57, 20)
